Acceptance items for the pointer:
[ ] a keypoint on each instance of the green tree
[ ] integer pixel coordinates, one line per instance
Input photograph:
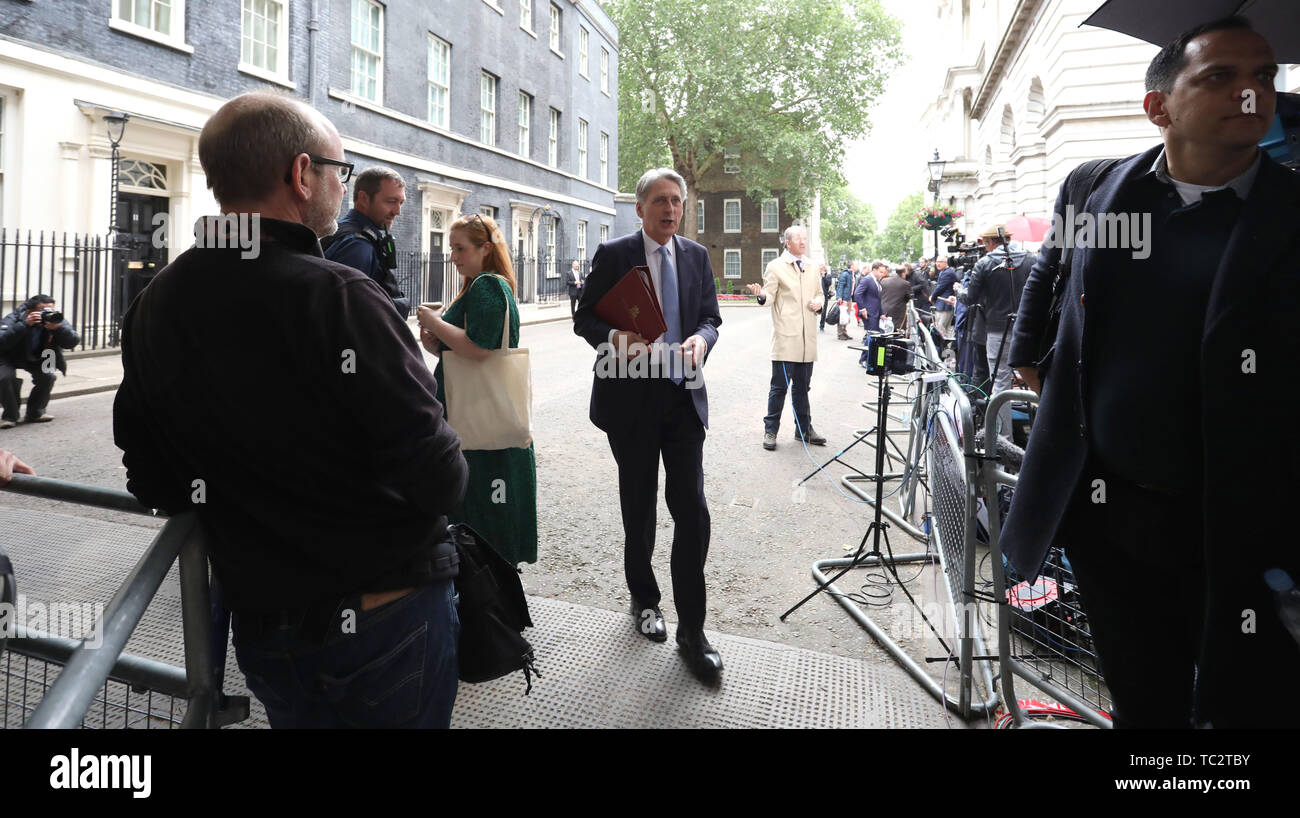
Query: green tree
(848, 227)
(901, 237)
(783, 82)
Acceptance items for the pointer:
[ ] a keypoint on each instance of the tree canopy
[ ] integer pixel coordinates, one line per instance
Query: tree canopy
(848, 226)
(901, 238)
(784, 83)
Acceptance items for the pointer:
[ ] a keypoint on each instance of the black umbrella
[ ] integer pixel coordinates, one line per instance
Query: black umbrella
(1160, 21)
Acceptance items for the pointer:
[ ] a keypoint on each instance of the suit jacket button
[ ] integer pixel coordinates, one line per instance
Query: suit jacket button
(1083, 430)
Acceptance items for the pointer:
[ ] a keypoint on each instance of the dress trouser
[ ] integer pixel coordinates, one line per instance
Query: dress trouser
(42, 386)
(677, 436)
(1137, 558)
(798, 376)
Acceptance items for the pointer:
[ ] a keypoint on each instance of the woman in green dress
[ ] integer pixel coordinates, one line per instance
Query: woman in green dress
(501, 501)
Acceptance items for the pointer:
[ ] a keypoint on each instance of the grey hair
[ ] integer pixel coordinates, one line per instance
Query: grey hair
(785, 234)
(654, 175)
(370, 180)
(246, 147)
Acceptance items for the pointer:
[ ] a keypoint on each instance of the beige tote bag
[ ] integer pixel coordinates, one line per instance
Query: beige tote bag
(490, 402)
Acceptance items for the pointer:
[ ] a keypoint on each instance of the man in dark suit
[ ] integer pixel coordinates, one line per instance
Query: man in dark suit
(662, 416)
(1169, 514)
(573, 280)
(867, 297)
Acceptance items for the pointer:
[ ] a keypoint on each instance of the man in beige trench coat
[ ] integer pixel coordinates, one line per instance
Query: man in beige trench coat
(791, 283)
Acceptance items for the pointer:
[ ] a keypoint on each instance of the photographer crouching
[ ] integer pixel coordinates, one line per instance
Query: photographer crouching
(32, 337)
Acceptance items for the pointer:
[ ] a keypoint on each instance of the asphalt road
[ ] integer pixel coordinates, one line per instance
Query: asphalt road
(766, 532)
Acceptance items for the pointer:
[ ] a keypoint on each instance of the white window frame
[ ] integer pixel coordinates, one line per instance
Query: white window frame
(581, 240)
(604, 159)
(699, 215)
(584, 44)
(378, 56)
(279, 74)
(174, 38)
(525, 124)
(776, 216)
(604, 70)
(435, 84)
(549, 234)
(555, 30)
(726, 257)
(767, 256)
(526, 16)
(604, 233)
(739, 220)
(582, 148)
(553, 139)
(728, 166)
(489, 211)
(487, 109)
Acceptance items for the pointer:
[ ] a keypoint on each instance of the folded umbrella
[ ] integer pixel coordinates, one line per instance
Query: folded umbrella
(1160, 21)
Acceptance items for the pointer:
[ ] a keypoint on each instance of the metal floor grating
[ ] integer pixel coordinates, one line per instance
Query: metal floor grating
(598, 671)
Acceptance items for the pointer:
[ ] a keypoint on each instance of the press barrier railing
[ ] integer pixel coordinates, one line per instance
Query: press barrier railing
(88, 669)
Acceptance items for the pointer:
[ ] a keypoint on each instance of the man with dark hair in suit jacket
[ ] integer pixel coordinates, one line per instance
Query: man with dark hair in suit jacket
(1170, 513)
(663, 415)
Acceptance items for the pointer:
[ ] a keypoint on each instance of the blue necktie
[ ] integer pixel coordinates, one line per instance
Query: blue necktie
(672, 310)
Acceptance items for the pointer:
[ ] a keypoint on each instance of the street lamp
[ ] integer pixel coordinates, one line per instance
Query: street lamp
(116, 125)
(935, 167)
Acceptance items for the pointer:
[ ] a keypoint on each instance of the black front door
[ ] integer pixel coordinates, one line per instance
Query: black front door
(140, 257)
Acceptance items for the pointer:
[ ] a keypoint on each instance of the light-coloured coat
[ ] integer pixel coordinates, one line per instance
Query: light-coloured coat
(788, 292)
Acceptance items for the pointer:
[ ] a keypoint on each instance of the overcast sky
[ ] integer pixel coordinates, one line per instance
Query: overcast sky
(890, 162)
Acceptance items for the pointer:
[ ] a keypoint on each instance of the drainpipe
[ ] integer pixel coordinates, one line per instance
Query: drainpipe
(313, 26)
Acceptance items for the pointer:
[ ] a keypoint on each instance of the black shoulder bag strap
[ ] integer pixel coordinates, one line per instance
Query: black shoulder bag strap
(1083, 180)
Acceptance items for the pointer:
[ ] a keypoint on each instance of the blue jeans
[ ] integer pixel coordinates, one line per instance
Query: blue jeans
(398, 669)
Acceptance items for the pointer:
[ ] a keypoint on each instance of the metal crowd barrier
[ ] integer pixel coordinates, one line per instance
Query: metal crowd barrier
(941, 444)
(71, 684)
(1042, 628)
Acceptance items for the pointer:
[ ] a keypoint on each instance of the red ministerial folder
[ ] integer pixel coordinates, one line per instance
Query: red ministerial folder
(632, 305)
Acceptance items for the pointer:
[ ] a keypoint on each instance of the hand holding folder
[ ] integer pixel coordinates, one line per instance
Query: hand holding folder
(631, 304)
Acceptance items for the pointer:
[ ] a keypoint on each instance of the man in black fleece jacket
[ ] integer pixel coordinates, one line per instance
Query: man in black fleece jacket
(280, 397)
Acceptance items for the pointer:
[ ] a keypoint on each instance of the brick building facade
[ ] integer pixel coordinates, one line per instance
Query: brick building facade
(502, 107)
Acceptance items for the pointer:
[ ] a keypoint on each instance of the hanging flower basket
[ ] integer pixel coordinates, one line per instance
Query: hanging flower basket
(933, 218)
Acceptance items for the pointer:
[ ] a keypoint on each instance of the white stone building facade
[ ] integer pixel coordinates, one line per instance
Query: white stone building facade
(1027, 95)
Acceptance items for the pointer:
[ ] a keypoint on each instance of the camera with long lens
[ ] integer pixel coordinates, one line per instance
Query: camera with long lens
(51, 316)
(961, 252)
(890, 353)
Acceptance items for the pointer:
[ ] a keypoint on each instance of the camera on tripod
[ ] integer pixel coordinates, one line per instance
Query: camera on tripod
(890, 353)
(964, 254)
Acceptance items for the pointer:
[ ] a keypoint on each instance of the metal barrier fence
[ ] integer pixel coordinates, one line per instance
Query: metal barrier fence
(82, 272)
(1042, 627)
(63, 683)
(941, 457)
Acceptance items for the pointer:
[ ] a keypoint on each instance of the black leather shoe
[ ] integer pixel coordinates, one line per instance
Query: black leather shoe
(812, 437)
(649, 622)
(701, 657)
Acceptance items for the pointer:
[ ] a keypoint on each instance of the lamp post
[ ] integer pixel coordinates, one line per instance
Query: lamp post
(116, 126)
(935, 167)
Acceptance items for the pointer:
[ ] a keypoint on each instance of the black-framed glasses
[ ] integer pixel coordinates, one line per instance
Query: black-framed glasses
(344, 168)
